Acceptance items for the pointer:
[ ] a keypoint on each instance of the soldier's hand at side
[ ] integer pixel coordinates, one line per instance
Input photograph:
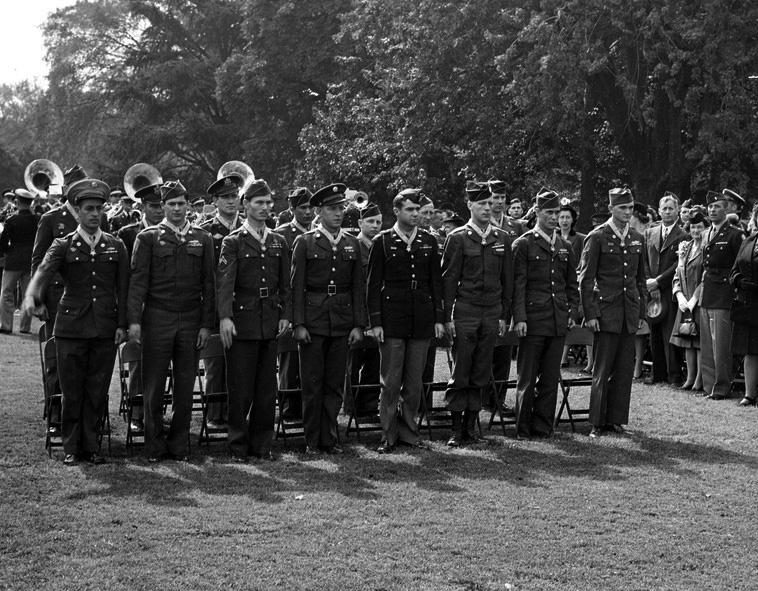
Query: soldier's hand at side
(502, 328)
(378, 333)
(283, 327)
(593, 325)
(120, 336)
(450, 329)
(135, 333)
(32, 308)
(520, 329)
(301, 335)
(439, 330)
(652, 285)
(355, 336)
(203, 337)
(226, 332)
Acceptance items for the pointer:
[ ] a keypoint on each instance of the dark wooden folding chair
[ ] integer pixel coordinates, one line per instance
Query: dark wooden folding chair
(41, 340)
(499, 389)
(436, 416)
(287, 426)
(213, 350)
(578, 335)
(361, 422)
(53, 402)
(130, 353)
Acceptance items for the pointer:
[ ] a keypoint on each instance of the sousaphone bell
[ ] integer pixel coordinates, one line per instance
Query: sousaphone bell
(41, 174)
(139, 176)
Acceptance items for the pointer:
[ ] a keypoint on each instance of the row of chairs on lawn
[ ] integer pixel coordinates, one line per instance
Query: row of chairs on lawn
(433, 415)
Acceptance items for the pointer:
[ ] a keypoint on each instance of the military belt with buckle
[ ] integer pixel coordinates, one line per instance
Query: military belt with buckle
(329, 289)
(263, 292)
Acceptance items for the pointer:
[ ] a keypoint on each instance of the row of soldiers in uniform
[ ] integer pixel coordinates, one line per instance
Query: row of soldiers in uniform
(252, 289)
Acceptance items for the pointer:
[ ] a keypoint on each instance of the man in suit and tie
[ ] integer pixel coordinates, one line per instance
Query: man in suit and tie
(662, 243)
(720, 247)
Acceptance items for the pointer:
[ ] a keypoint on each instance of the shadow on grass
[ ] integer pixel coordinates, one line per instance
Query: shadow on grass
(362, 475)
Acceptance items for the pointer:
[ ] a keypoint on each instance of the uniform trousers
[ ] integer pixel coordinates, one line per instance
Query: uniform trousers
(402, 364)
(716, 351)
(168, 337)
(539, 369)
(251, 379)
(86, 367)
(613, 358)
(476, 328)
(8, 300)
(322, 373)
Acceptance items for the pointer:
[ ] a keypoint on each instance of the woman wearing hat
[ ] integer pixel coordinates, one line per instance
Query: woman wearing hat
(687, 286)
(744, 277)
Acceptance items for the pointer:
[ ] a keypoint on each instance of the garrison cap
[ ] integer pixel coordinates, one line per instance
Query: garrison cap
(88, 189)
(256, 188)
(424, 201)
(412, 195)
(299, 196)
(333, 194)
(22, 194)
(227, 185)
(730, 195)
(371, 210)
(670, 194)
(149, 194)
(476, 191)
(172, 190)
(547, 199)
(73, 174)
(713, 196)
(497, 187)
(620, 196)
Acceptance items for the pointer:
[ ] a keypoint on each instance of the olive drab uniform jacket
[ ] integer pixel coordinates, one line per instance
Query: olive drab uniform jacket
(94, 298)
(404, 294)
(253, 284)
(475, 273)
(612, 279)
(328, 284)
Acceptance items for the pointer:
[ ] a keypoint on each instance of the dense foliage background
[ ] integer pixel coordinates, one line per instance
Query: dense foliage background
(578, 95)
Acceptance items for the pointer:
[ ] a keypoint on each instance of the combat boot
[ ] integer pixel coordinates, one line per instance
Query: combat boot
(471, 434)
(456, 434)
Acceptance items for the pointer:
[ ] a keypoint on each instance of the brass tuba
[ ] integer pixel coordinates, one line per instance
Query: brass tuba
(239, 168)
(139, 176)
(41, 174)
(361, 200)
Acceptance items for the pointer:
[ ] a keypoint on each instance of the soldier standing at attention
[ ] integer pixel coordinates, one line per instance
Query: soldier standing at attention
(477, 283)
(329, 311)
(545, 308)
(613, 291)
(152, 214)
(254, 305)
(171, 310)
(91, 319)
(405, 312)
(289, 363)
(224, 194)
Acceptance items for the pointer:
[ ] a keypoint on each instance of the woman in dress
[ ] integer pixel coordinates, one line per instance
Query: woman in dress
(686, 288)
(567, 217)
(744, 277)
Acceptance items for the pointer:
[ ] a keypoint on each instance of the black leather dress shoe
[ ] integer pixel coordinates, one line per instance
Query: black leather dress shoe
(747, 401)
(385, 447)
(70, 460)
(715, 397)
(422, 445)
(93, 458)
(596, 432)
(177, 458)
(334, 450)
(239, 459)
(312, 451)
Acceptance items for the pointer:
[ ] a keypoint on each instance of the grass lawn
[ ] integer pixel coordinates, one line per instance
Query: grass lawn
(671, 505)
